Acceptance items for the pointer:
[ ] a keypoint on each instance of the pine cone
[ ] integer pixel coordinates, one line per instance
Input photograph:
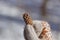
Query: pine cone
(27, 19)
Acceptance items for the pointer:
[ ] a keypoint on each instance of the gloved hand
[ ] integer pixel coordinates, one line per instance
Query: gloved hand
(36, 29)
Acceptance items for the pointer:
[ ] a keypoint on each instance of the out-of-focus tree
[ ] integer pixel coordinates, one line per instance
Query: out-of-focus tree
(43, 8)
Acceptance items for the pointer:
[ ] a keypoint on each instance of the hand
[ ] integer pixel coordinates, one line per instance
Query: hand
(40, 30)
(36, 30)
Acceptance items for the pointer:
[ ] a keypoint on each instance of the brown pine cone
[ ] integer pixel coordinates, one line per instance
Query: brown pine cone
(27, 19)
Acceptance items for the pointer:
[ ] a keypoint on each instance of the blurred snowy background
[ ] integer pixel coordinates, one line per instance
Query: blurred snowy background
(12, 23)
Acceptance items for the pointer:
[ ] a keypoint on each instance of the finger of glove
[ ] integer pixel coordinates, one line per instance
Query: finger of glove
(37, 26)
(30, 33)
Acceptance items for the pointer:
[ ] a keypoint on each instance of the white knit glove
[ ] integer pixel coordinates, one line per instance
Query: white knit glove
(37, 31)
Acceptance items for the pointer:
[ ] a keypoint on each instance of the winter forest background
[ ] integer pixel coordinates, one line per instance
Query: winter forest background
(12, 23)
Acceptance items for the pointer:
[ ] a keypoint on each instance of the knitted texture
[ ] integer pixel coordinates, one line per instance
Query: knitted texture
(46, 31)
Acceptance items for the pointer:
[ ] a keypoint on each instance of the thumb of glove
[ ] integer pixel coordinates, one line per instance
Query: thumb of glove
(29, 33)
